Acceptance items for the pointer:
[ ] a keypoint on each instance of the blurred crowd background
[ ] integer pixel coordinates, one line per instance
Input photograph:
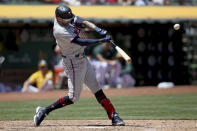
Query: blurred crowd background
(106, 2)
(159, 53)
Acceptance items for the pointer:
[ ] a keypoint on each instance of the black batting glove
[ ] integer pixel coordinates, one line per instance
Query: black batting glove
(101, 32)
(107, 38)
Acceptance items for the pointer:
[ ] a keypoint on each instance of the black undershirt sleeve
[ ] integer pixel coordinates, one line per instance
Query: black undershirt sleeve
(87, 42)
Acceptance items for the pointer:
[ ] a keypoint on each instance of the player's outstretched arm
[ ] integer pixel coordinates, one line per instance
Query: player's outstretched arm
(26, 85)
(86, 42)
(92, 26)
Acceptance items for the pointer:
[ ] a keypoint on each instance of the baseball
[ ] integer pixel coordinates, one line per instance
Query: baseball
(176, 26)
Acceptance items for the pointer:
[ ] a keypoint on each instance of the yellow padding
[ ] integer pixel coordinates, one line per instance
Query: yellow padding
(106, 12)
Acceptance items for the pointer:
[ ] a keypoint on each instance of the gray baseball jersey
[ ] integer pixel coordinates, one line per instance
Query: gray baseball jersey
(64, 35)
(78, 69)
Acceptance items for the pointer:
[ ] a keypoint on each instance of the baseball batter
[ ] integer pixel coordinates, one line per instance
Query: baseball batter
(76, 65)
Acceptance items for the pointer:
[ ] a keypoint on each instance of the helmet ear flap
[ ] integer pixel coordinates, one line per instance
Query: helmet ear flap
(59, 19)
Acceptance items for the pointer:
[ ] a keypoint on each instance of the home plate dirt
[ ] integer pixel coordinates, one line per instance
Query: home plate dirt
(101, 125)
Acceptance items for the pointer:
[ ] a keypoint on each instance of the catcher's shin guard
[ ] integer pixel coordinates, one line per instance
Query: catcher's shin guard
(107, 105)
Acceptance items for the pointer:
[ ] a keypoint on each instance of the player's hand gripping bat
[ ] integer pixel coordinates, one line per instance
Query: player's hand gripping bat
(122, 53)
(103, 33)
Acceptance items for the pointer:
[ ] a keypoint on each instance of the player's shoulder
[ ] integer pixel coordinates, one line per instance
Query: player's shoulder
(37, 72)
(49, 74)
(98, 49)
(57, 28)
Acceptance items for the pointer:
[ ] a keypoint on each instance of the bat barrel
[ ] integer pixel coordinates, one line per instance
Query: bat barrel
(122, 53)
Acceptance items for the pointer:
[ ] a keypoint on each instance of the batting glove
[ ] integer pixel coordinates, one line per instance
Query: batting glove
(107, 38)
(101, 32)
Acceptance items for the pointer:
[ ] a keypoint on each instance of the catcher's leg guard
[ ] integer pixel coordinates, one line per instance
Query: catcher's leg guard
(64, 101)
(107, 105)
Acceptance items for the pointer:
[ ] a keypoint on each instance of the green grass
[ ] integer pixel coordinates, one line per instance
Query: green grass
(177, 107)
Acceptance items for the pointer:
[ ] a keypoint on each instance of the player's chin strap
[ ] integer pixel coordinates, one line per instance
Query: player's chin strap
(105, 102)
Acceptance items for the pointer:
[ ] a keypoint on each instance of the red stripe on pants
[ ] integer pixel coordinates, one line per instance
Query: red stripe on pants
(73, 78)
(60, 100)
(63, 102)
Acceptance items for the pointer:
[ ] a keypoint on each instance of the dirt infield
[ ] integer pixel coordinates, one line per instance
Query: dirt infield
(102, 125)
(86, 93)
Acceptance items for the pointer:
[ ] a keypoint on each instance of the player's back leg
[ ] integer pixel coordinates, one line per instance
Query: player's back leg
(91, 82)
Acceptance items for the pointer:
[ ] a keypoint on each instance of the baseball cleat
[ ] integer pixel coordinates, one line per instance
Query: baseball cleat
(40, 115)
(116, 120)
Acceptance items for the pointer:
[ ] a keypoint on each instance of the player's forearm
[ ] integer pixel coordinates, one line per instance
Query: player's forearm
(89, 25)
(101, 58)
(25, 86)
(87, 42)
(44, 83)
(92, 26)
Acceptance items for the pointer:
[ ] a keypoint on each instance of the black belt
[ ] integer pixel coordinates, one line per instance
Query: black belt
(77, 55)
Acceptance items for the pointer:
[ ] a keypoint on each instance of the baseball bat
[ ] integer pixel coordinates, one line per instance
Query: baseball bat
(122, 53)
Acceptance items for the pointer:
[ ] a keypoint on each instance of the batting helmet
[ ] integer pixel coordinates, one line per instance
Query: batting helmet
(64, 12)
